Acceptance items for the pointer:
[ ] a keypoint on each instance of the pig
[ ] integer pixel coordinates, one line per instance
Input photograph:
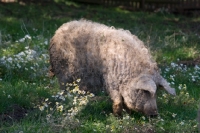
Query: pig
(106, 58)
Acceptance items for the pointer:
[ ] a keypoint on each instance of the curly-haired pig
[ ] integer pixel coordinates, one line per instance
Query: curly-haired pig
(110, 58)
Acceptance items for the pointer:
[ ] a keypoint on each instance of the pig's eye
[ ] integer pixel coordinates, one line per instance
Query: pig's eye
(146, 92)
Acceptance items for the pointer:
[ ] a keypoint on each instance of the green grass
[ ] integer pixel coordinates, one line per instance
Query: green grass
(25, 31)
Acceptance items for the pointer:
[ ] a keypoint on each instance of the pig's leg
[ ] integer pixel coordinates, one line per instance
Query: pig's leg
(117, 102)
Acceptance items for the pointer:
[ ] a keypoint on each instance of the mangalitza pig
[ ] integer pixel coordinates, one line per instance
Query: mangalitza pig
(110, 58)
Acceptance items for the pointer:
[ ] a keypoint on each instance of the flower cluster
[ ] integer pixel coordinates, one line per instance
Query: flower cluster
(67, 102)
(181, 125)
(26, 37)
(30, 61)
(128, 124)
(192, 73)
(179, 75)
(184, 97)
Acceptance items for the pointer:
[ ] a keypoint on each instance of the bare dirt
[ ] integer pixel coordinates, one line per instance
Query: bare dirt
(13, 113)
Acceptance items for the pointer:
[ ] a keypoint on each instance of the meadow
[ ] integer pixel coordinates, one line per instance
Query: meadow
(30, 100)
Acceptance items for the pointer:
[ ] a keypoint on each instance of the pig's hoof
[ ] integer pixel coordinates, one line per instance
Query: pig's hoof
(117, 109)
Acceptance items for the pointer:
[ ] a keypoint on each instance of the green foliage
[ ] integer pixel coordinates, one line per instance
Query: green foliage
(25, 31)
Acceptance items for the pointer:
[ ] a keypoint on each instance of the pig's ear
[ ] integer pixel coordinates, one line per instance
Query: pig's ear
(147, 84)
(163, 83)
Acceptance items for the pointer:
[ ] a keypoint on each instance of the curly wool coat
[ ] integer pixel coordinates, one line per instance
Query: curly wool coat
(105, 57)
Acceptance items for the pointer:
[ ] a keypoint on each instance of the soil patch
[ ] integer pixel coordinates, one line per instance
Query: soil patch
(13, 113)
(193, 62)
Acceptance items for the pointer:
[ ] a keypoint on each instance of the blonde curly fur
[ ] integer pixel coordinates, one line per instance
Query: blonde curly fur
(103, 56)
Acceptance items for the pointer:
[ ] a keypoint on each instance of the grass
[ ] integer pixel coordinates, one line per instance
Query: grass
(25, 31)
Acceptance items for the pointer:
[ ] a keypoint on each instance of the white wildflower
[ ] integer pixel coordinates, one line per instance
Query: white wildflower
(75, 109)
(75, 101)
(27, 37)
(45, 104)
(83, 92)
(172, 83)
(172, 77)
(45, 56)
(20, 54)
(46, 42)
(78, 80)
(173, 65)
(180, 86)
(62, 98)
(36, 64)
(193, 78)
(126, 117)
(197, 67)
(48, 117)
(60, 93)
(162, 128)
(10, 59)
(29, 57)
(34, 29)
(83, 102)
(3, 58)
(167, 69)
(24, 38)
(46, 99)
(30, 52)
(21, 40)
(181, 123)
(174, 115)
(60, 108)
(195, 126)
(41, 108)
(18, 66)
(91, 95)
(143, 118)
(164, 95)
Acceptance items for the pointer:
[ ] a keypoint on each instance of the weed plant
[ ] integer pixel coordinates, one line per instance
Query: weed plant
(25, 31)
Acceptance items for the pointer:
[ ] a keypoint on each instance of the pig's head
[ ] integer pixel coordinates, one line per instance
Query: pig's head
(141, 95)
